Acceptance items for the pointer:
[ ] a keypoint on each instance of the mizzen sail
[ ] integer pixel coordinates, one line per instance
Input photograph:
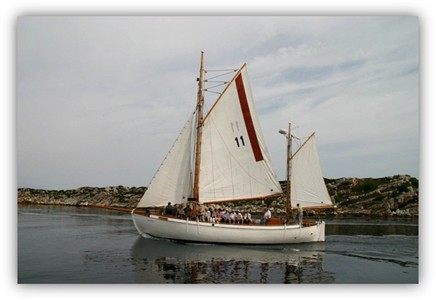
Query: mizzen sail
(307, 182)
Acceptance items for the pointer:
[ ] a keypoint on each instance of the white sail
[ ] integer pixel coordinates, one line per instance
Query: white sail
(307, 183)
(235, 163)
(173, 181)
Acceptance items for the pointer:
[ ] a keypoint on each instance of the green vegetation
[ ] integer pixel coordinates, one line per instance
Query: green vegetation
(365, 187)
(338, 199)
(414, 182)
(368, 185)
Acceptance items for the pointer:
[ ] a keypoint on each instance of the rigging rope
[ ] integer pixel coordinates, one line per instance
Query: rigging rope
(220, 75)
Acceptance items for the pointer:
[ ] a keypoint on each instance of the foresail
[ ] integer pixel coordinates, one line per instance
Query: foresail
(173, 181)
(307, 183)
(235, 163)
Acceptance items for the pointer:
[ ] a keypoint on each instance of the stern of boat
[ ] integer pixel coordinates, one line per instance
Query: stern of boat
(321, 225)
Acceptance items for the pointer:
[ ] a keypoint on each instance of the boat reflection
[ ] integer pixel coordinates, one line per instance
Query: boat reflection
(163, 261)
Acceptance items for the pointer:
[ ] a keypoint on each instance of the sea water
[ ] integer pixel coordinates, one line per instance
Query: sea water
(88, 245)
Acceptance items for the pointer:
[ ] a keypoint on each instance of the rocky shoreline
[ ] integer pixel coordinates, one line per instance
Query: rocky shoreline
(393, 196)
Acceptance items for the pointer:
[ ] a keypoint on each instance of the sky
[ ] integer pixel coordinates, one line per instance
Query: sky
(101, 99)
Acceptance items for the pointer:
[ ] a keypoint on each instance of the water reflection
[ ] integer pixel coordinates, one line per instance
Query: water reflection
(161, 261)
(371, 229)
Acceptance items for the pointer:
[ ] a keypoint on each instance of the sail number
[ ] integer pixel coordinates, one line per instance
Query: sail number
(240, 141)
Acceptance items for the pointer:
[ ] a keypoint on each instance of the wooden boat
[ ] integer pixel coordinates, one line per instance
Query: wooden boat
(222, 157)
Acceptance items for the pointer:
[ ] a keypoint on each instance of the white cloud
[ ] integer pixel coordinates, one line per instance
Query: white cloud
(101, 99)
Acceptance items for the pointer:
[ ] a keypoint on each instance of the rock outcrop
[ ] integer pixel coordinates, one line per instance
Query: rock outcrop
(117, 196)
(388, 196)
(382, 197)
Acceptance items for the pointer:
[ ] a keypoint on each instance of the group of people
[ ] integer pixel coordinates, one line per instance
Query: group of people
(221, 215)
(209, 214)
(178, 210)
(224, 216)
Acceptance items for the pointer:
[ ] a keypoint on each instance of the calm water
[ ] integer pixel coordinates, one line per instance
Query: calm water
(86, 245)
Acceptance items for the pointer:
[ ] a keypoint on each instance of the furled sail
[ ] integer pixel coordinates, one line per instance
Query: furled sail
(307, 183)
(235, 163)
(173, 181)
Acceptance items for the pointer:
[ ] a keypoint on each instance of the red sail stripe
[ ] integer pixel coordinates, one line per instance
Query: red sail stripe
(247, 119)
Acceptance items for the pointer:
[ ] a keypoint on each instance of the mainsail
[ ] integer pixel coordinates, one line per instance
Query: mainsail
(235, 163)
(307, 183)
(173, 181)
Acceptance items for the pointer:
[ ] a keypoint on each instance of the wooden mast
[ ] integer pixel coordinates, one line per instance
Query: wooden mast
(200, 102)
(288, 174)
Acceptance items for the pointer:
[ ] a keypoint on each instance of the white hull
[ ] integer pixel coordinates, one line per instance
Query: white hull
(193, 231)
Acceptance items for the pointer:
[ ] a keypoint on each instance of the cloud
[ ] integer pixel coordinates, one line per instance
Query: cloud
(100, 100)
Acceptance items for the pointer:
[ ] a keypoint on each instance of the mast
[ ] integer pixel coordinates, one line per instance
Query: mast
(200, 102)
(288, 173)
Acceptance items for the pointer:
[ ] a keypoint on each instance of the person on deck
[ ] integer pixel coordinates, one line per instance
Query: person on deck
(232, 217)
(187, 211)
(207, 214)
(200, 213)
(175, 209)
(169, 209)
(239, 217)
(247, 218)
(212, 215)
(219, 215)
(300, 214)
(266, 216)
(226, 216)
(180, 211)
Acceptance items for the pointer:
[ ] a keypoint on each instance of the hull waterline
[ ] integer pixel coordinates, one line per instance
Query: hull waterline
(194, 231)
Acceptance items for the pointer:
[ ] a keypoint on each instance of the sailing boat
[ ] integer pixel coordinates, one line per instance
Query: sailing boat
(222, 157)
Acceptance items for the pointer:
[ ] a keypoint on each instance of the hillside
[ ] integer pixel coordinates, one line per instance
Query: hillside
(388, 196)
(384, 197)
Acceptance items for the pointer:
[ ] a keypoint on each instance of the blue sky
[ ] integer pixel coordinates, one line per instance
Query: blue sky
(101, 99)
